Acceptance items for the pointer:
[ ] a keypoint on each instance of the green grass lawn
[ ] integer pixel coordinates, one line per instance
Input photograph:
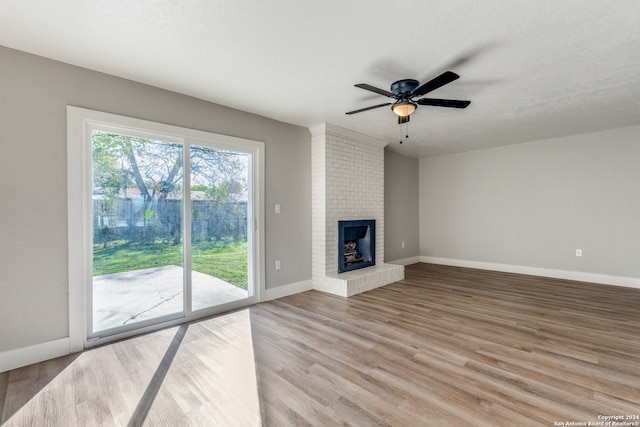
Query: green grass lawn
(226, 260)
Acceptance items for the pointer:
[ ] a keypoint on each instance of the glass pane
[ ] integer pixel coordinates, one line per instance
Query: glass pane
(137, 230)
(219, 195)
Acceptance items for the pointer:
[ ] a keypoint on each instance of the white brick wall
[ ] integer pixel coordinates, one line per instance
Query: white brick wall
(318, 205)
(347, 184)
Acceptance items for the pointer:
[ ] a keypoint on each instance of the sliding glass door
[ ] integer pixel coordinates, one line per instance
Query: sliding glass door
(172, 227)
(219, 226)
(137, 211)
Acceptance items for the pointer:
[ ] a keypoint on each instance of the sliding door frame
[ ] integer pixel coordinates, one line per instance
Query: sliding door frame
(80, 123)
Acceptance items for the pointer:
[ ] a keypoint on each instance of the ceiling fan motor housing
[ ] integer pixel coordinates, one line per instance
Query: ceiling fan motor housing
(405, 86)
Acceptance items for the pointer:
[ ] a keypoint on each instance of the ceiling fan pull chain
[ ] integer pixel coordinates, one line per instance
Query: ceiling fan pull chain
(406, 131)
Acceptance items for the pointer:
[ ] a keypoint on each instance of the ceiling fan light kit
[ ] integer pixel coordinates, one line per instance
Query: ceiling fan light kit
(404, 91)
(403, 108)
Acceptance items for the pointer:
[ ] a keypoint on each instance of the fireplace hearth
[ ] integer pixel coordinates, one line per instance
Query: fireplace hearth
(356, 244)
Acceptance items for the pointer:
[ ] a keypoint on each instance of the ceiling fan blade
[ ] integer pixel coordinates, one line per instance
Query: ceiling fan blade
(452, 103)
(374, 89)
(368, 108)
(435, 83)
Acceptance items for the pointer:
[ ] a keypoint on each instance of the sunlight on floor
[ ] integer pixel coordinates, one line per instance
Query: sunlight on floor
(201, 374)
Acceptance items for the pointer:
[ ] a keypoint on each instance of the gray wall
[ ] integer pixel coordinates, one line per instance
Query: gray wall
(534, 204)
(401, 196)
(34, 93)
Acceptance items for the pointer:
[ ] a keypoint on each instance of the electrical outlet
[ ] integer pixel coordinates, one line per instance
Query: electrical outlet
(578, 252)
(278, 265)
(277, 208)
(403, 244)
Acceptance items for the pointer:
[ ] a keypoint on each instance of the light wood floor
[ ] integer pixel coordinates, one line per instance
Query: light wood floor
(445, 347)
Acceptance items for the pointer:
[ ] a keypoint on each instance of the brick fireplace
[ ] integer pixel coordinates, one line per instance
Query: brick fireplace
(347, 185)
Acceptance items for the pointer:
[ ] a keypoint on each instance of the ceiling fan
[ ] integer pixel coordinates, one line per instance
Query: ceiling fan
(404, 92)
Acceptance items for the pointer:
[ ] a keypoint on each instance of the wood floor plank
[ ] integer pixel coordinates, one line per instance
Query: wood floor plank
(446, 346)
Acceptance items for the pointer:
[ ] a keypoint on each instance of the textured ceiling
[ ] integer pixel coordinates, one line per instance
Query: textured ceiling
(533, 70)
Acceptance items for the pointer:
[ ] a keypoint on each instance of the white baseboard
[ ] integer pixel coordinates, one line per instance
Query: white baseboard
(629, 282)
(405, 261)
(286, 290)
(24, 356)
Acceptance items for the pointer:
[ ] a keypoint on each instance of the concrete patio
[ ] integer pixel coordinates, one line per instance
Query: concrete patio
(133, 296)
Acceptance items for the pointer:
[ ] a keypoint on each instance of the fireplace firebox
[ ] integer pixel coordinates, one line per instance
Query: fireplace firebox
(356, 244)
